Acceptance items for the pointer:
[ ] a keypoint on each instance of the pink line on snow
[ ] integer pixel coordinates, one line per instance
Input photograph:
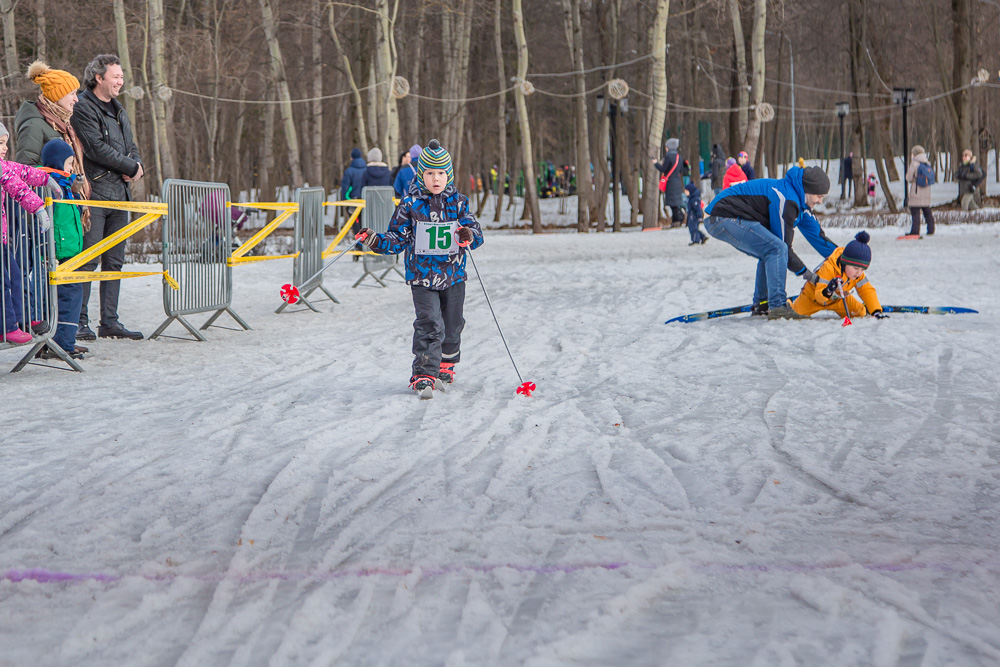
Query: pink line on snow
(44, 576)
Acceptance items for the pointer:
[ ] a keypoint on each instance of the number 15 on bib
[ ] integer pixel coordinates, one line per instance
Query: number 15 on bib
(436, 238)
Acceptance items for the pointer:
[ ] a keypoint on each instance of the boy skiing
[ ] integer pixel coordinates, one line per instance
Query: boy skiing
(433, 227)
(841, 273)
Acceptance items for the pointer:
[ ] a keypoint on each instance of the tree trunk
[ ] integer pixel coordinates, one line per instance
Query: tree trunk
(41, 39)
(413, 102)
(501, 108)
(284, 96)
(857, 28)
(741, 93)
(584, 186)
(658, 111)
(530, 187)
(316, 168)
(267, 161)
(359, 107)
(757, 86)
(163, 117)
(10, 40)
(963, 58)
(385, 69)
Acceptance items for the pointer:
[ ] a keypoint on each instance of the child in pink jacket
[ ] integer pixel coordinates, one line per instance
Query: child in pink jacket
(16, 180)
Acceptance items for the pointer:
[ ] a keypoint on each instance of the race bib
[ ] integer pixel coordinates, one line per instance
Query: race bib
(436, 238)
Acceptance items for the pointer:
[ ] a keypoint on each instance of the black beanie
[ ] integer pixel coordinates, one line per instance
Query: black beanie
(857, 251)
(815, 181)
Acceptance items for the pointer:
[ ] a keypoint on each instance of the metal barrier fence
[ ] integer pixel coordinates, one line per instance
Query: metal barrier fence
(378, 210)
(28, 301)
(310, 234)
(197, 252)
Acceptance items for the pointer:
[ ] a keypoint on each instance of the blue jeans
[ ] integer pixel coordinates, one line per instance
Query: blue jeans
(70, 300)
(755, 240)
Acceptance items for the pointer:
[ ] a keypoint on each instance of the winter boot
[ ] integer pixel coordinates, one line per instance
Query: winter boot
(16, 336)
(784, 313)
(423, 385)
(447, 372)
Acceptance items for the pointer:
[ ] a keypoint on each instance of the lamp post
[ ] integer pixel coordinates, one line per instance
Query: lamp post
(613, 109)
(843, 108)
(904, 98)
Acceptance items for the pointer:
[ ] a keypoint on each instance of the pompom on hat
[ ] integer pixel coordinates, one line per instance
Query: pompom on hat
(434, 157)
(55, 83)
(858, 252)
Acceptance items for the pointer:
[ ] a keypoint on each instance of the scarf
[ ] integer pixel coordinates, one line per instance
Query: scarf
(58, 117)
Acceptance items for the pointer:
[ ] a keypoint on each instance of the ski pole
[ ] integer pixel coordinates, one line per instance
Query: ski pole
(290, 293)
(847, 312)
(525, 387)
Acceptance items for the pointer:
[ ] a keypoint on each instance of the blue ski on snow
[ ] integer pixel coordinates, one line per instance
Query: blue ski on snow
(736, 310)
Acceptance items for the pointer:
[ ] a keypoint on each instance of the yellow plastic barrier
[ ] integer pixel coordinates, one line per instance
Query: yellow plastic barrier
(287, 211)
(66, 272)
(358, 205)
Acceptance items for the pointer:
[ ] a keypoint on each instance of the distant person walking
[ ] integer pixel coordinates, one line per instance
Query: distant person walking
(718, 166)
(350, 184)
(920, 175)
(671, 166)
(407, 170)
(377, 172)
(969, 176)
(111, 162)
(744, 161)
(849, 174)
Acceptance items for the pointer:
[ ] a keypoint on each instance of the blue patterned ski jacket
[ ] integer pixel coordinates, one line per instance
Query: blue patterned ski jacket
(437, 272)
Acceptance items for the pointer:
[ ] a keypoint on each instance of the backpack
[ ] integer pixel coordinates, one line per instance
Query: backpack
(925, 175)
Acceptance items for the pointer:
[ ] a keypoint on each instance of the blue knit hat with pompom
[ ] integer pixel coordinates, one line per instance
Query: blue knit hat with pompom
(857, 252)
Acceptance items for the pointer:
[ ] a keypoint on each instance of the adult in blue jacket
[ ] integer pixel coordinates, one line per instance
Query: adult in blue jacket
(759, 218)
(376, 171)
(406, 172)
(350, 184)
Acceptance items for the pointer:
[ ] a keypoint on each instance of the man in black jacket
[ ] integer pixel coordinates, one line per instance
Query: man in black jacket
(111, 161)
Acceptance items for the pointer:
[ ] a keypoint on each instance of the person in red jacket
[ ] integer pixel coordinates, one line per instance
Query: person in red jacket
(734, 174)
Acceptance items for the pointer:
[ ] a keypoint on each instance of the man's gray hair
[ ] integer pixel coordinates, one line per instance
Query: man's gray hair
(99, 66)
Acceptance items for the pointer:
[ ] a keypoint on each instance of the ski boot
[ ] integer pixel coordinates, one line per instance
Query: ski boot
(447, 372)
(759, 309)
(423, 385)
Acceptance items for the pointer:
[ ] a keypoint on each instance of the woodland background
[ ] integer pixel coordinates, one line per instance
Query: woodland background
(265, 93)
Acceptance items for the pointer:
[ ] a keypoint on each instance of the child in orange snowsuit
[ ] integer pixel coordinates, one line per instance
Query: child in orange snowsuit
(842, 272)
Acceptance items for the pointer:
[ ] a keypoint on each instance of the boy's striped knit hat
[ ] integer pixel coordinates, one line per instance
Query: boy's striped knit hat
(434, 157)
(857, 252)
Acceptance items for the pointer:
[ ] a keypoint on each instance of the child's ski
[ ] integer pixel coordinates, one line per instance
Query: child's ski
(711, 314)
(929, 310)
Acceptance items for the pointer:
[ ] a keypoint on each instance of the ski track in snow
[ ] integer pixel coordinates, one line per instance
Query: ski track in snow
(727, 492)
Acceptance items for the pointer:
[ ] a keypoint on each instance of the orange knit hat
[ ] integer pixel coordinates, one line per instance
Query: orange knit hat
(55, 83)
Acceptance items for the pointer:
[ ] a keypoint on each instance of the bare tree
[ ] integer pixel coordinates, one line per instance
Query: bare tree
(658, 81)
(161, 91)
(501, 108)
(352, 82)
(757, 87)
(530, 187)
(584, 186)
(284, 96)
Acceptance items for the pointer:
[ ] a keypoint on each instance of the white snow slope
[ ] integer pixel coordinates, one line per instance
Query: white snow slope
(732, 492)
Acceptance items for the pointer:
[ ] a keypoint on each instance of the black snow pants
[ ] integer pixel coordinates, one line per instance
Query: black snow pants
(437, 331)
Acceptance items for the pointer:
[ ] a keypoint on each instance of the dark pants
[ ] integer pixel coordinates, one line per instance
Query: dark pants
(696, 235)
(437, 331)
(103, 223)
(13, 291)
(70, 301)
(928, 217)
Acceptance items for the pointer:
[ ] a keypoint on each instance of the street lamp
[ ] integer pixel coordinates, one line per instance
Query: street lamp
(904, 98)
(843, 108)
(613, 107)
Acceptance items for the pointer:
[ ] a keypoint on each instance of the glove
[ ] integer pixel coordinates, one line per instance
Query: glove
(44, 221)
(810, 276)
(464, 236)
(881, 315)
(832, 288)
(366, 236)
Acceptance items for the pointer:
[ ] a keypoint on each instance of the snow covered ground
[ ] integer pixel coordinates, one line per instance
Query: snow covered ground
(734, 492)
